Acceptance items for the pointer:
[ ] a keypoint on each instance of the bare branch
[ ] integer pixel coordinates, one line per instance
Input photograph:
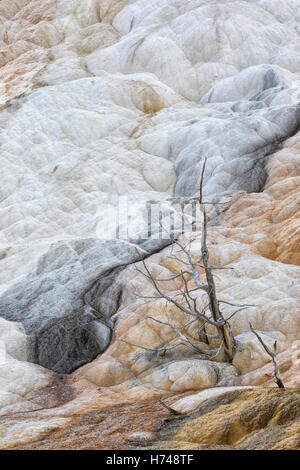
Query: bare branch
(182, 336)
(234, 313)
(179, 327)
(201, 182)
(174, 302)
(153, 297)
(211, 266)
(195, 273)
(174, 412)
(189, 297)
(163, 349)
(273, 355)
(171, 278)
(261, 341)
(236, 305)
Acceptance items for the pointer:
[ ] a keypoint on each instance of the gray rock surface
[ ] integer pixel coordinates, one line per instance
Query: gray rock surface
(237, 145)
(62, 302)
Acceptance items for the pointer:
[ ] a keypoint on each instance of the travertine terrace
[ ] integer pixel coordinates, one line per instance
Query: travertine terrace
(109, 99)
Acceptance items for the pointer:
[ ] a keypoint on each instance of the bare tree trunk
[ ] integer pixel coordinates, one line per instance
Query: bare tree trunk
(224, 331)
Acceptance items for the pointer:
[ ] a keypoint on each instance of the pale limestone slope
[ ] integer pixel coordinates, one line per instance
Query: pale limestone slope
(127, 98)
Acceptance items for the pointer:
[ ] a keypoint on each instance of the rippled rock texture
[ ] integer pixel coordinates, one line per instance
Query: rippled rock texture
(106, 99)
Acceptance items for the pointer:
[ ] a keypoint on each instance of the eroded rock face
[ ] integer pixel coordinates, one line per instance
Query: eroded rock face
(109, 99)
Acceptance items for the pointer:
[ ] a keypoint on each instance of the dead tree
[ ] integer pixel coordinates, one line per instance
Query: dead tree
(186, 302)
(273, 355)
(224, 329)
